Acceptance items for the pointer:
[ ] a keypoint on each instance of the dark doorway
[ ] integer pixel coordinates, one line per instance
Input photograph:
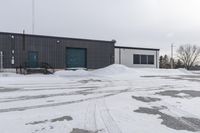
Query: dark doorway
(76, 58)
(33, 59)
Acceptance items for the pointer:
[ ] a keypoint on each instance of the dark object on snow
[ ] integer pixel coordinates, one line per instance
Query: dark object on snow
(44, 68)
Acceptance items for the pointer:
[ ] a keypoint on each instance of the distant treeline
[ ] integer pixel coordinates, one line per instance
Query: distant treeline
(187, 56)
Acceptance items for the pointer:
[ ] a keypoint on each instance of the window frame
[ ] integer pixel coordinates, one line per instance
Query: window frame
(153, 60)
(139, 59)
(140, 62)
(145, 61)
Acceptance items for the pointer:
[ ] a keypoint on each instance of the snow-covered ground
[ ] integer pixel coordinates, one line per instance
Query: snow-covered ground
(115, 99)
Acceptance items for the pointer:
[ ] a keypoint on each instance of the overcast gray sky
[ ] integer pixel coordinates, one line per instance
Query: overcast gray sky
(137, 23)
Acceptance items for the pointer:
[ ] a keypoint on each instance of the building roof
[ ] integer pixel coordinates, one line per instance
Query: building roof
(123, 47)
(56, 37)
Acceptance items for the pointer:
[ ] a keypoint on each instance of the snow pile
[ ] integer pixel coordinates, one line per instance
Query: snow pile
(121, 70)
(185, 71)
(110, 71)
(115, 69)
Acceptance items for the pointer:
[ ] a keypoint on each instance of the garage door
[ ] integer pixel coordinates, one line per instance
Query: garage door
(76, 58)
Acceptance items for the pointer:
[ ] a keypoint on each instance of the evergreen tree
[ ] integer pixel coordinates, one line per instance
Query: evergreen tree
(166, 62)
(161, 61)
(179, 64)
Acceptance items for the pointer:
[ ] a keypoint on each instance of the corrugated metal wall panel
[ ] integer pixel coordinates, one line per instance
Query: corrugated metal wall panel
(52, 50)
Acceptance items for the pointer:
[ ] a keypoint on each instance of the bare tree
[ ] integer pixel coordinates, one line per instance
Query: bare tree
(189, 55)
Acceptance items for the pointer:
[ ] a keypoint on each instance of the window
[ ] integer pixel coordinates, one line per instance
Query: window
(150, 59)
(136, 59)
(143, 59)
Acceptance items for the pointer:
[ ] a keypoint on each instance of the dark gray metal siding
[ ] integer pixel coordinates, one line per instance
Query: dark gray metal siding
(99, 53)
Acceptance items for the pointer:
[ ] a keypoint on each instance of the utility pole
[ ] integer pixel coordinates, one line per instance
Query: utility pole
(33, 16)
(172, 58)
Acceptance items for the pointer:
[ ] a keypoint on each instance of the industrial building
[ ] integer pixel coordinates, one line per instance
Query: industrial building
(28, 50)
(59, 52)
(137, 57)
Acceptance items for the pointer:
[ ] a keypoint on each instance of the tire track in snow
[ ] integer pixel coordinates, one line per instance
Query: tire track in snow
(90, 117)
(176, 115)
(174, 110)
(62, 103)
(108, 120)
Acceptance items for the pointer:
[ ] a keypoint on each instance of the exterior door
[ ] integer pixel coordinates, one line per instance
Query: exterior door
(33, 59)
(76, 58)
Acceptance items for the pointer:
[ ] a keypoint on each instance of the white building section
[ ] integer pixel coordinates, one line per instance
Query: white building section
(137, 57)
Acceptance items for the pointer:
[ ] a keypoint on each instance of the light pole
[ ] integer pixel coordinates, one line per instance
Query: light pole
(33, 16)
(172, 54)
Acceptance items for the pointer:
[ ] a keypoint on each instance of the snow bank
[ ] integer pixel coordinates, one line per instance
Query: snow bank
(110, 71)
(185, 71)
(117, 70)
(7, 74)
(161, 72)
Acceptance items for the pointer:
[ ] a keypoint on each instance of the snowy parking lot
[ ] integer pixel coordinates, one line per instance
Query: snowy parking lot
(115, 99)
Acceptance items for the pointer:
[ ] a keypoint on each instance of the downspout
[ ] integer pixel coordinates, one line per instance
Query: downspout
(1, 61)
(24, 59)
(119, 55)
(23, 40)
(156, 59)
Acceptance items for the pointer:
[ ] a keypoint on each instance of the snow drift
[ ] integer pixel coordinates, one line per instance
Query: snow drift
(117, 70)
